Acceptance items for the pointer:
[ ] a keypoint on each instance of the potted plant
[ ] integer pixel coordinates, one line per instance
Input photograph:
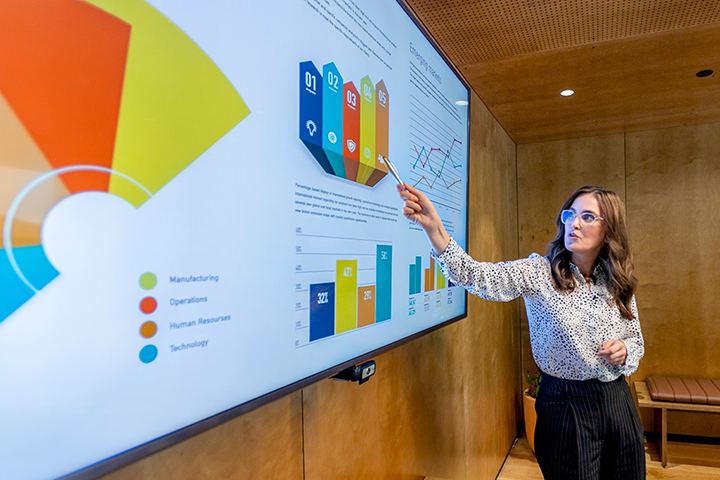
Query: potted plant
(529, 397)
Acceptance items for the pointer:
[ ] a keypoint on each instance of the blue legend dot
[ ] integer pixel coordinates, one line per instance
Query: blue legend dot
(148, 353)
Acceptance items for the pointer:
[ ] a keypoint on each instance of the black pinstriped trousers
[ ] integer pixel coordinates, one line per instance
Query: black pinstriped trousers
(588, 430)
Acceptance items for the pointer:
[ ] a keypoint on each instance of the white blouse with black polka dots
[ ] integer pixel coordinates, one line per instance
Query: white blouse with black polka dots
(567, 329)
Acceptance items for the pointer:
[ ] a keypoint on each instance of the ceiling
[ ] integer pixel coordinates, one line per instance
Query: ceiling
(632, 63)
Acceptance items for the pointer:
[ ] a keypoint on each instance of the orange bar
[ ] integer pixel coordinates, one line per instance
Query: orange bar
(366, 305)
(427, 279)
(432, 273)
(382, 132)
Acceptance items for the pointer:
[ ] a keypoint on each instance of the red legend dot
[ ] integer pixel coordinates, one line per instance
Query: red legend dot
(148, 305)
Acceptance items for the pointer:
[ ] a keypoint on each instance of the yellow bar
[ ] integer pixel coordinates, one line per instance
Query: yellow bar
(367, 130)
(346, 295)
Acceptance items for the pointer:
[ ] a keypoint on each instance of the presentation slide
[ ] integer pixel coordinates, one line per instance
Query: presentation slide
(196, 209)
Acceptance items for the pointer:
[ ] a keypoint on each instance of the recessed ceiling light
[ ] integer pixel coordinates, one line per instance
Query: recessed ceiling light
(461, 103)
(704, 73)
(567, 93)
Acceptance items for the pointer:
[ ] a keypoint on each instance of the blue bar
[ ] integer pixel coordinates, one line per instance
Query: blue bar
(383, 282)
(311, 113)
(322, 310)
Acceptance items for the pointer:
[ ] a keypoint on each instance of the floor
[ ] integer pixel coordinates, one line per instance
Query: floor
(521, 465)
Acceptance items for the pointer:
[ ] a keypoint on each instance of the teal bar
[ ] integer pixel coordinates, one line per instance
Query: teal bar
(418, 274)
(412, 279)
(383, 283)
(332, 111)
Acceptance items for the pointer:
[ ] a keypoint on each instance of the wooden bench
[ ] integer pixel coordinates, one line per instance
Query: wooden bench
(661, 410)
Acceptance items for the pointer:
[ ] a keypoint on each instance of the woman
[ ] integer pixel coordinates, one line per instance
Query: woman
(584, 330)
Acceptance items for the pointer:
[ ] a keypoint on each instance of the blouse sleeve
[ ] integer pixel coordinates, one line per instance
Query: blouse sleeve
(500, 282)
(634, 343)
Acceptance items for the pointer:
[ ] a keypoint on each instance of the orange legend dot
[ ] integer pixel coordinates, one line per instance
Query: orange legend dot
(148, 329)
(148, 305)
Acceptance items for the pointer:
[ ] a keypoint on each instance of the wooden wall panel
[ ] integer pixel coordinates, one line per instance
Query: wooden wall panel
(673, 182)
(443, 405)
(263, 444)
(405, 423)
(548, 173)
(491, 334)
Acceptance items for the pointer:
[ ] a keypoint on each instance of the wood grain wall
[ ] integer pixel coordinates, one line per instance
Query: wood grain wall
(442, 406)
(263, 444)
(670, 181)
(673, 182)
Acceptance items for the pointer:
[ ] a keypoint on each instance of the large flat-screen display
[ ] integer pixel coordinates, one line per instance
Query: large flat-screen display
(197, 214)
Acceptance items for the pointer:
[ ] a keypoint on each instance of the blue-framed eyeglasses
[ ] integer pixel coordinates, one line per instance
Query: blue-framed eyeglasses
(587, 219)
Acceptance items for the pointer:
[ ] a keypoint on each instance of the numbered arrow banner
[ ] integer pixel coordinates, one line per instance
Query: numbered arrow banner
(346, 130)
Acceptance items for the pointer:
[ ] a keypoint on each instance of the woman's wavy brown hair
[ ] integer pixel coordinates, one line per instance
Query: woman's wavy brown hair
(615, 256)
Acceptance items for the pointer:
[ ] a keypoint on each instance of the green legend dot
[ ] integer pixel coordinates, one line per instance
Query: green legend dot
(148, 281)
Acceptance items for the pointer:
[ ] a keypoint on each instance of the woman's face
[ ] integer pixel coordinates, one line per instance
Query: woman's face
(585, 239)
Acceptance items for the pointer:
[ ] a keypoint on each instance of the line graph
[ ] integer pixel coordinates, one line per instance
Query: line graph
(434, 151)
(425, 163)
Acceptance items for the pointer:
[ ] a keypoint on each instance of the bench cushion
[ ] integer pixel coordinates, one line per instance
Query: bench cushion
(688, 390)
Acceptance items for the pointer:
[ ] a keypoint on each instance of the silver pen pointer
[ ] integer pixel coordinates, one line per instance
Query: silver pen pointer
(392, 169)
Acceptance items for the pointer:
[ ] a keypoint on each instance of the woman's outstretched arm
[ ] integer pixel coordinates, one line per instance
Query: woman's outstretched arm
(420, 210)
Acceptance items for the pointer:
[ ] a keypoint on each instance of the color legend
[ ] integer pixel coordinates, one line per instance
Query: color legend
(345, 129)
(149, 328)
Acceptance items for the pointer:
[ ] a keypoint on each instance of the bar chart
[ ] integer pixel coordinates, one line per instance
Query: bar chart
(340, 288)
(426, 280)
(427, 287)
